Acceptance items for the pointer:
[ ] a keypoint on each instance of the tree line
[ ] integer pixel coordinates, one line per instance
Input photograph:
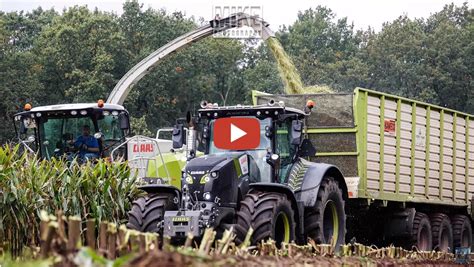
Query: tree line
(78, 55)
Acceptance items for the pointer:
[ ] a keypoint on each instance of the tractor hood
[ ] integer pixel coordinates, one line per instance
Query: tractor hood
(207, 162)
(216, 177)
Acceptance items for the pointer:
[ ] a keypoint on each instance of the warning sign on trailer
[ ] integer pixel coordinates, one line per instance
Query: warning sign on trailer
(389, 126)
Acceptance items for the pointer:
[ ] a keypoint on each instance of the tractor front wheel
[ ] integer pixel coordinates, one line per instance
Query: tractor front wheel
(148, 211)
(269, 214)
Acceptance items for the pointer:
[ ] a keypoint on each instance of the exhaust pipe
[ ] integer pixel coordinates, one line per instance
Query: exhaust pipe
(191, 138)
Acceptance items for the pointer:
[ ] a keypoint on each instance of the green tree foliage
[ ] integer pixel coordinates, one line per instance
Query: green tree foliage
(78, 55)
(426, 59)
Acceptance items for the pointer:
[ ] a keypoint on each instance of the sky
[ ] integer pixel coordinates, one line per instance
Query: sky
(363, 13)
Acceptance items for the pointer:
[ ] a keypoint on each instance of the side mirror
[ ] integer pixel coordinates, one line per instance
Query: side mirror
(296, 131)
(307, 149)
(124, 121)
(178, 136)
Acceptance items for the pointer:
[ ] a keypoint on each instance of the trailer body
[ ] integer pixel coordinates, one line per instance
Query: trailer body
(391, 148)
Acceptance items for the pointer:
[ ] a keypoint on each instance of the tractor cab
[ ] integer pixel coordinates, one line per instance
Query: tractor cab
(280, 131)
(54, 131)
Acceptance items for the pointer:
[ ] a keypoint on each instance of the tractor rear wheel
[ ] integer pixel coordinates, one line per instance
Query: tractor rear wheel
(147, 212)
(421, 232)
(462, 231)
(325, 223)
(269, 214)
(442, 232)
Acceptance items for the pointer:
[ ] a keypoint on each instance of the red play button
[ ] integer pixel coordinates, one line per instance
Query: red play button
(237, 133)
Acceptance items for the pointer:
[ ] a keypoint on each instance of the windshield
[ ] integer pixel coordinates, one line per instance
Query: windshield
(258, 154)
(56, 134)
(109, 126)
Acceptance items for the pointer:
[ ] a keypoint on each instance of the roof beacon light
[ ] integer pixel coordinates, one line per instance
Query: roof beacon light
(27, 107)
(100, 103)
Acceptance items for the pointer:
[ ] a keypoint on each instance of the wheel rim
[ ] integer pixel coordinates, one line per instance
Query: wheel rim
(330, 223)
(465, 239)
(423, 243)
(282, 228)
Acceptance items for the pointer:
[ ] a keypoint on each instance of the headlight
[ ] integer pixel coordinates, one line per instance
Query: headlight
(83, 112)
(205, 178)
(207, 196)
(189, 179)
(214, 174)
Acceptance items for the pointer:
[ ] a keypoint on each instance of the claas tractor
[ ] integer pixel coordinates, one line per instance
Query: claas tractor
(270, 188)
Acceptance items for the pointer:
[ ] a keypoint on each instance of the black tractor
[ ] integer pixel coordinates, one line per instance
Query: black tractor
(271, 188)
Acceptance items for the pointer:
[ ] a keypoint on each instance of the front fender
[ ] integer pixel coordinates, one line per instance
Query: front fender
(161, 188)
(308, 192)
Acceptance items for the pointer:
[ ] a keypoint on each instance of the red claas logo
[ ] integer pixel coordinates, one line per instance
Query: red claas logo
(143, 148)
(237, 133)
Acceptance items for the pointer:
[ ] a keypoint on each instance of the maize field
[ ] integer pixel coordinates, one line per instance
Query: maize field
(28, 185)
(89, 203)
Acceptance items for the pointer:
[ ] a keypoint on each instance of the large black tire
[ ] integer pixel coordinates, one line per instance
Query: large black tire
(421, 237)
(462, 231)
(442, 232)
(148, 211)
(269, 214)
(325, 223)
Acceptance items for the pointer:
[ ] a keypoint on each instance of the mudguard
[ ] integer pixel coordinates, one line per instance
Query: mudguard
(307, 190)
(161, 188)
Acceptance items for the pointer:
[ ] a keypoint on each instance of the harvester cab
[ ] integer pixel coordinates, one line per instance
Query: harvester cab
(72, 130)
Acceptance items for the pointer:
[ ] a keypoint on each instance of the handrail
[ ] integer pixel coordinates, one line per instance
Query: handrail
(141, 137)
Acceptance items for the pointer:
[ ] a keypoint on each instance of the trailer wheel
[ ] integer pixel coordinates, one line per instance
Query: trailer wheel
(269, 214)
(442, 232)
(326, 221)
(462, 231)
(148, 211)
(421, 232)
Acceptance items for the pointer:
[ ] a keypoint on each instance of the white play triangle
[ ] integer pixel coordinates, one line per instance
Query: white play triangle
(236, 133)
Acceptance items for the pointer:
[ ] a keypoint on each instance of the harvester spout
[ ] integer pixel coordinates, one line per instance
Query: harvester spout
(123, 87)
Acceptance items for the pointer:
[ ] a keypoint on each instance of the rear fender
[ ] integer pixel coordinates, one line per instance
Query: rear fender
(313, 177)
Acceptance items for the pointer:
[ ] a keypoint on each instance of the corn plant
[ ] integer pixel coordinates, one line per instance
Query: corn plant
(28, 185)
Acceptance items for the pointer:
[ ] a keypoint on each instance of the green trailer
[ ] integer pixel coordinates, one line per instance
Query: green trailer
(408, 165)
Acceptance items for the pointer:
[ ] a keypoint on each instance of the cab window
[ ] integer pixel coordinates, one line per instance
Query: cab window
(283, 148)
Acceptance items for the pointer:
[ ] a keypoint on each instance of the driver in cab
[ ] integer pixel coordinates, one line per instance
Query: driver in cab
(87, 145)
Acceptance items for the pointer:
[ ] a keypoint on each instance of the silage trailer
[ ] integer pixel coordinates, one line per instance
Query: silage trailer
(408, 165)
